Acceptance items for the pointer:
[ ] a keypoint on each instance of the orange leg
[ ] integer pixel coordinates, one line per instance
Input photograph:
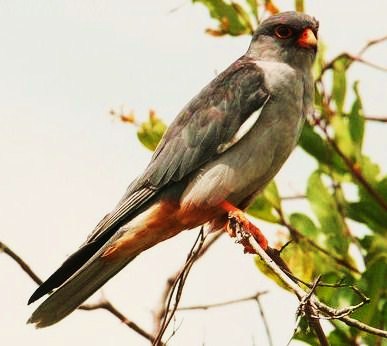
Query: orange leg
(241, 218)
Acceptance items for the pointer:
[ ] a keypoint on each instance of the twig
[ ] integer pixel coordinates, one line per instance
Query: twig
(291, 198)
(159, 313)
(353, 58)
(298, 235)
(301, 294)
(177, 287)
(374, 118)
(264, 320)
(254, 297)
(106, 305)
(24, 266)
(371, 43)
(353, 169)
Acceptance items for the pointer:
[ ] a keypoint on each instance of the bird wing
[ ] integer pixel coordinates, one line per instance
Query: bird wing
(212, 122)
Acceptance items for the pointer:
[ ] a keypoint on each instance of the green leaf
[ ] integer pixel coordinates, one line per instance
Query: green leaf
(338, 337)
(315, 146)
(324, 206)
(150, 132)
(367, 210)
(305, 334)
(272, 195)
(299, 5)
(300, 260)
(356, 122)
(374, 285)
(231, 17)
(340, 82)
(369, 169)
(305, 225)
(342, 135)
(253, 4)
(265, 205)
(319, 62)
(368, 213)
(262, 209)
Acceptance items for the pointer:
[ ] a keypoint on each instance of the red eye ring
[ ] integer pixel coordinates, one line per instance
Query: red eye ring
(283, 31)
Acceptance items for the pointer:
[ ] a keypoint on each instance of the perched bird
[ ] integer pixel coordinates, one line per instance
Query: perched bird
(222, 149)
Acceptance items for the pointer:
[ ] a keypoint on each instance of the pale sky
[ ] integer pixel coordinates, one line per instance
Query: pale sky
(65, 162)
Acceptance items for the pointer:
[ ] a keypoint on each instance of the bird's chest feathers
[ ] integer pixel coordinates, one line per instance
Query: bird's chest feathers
(283, 82)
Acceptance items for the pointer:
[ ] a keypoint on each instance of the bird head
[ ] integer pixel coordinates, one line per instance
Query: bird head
(289, 37)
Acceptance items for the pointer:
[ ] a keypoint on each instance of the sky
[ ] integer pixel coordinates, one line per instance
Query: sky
(65, 162)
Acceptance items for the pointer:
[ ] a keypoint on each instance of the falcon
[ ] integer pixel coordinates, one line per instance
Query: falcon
(222, 149)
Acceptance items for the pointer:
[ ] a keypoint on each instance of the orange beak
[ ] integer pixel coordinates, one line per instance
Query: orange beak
(307, 39)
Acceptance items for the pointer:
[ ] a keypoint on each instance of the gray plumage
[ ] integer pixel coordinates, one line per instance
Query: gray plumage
(226, 144)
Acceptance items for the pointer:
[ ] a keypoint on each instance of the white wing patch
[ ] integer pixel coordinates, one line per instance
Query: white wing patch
(245, 127)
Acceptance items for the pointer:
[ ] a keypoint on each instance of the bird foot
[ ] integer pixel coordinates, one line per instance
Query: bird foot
(240, 227)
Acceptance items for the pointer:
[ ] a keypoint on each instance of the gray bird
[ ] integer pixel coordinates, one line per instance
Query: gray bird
(221, 150)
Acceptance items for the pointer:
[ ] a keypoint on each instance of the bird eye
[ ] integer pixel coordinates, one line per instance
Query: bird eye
(283, 31)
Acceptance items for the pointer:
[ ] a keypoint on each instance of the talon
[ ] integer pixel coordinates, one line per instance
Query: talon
(237, 216)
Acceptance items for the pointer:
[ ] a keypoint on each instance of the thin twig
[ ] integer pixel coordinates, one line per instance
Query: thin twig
(24, 266)
(159, 313)
(382, 119)
(353, 58)
(298, 235)
(177, 287)
(371, 43)
(264, 320)
(353, 169)
(253, 297)
(300, 293)
(291, 198)
(106, 305)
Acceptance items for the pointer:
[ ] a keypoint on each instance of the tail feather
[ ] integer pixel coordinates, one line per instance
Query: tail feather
(96, 272)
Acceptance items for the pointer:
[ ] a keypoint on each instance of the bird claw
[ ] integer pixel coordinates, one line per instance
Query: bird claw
(241, 228)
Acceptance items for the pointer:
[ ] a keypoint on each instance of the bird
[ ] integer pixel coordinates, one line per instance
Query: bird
(221, 150)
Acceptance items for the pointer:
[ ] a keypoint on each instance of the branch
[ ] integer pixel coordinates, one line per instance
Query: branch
(307, 299)
(177, 287)
(254, 297)
(353, 169)
(354, 58)
(24, 266)
(160, 312)
(378, 119)
(264, 320)
(298, 235)
(371, 43)
(106, 305)
(292, 198)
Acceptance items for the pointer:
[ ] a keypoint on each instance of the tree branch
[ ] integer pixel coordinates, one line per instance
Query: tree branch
(264, 320)
(353, 169)
(298, 235)
(24, 266)
(382, 119)
(177, 287)
(160, 311)
(352, 58)
(253, 297)
(307, 299)
(106, 305)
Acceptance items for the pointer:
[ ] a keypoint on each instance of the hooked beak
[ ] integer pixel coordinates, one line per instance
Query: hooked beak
(307, 39)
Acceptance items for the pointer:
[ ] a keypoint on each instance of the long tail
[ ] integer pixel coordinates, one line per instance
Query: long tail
(96, 272)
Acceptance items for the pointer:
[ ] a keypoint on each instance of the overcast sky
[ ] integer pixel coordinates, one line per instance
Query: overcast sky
(65, 162)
